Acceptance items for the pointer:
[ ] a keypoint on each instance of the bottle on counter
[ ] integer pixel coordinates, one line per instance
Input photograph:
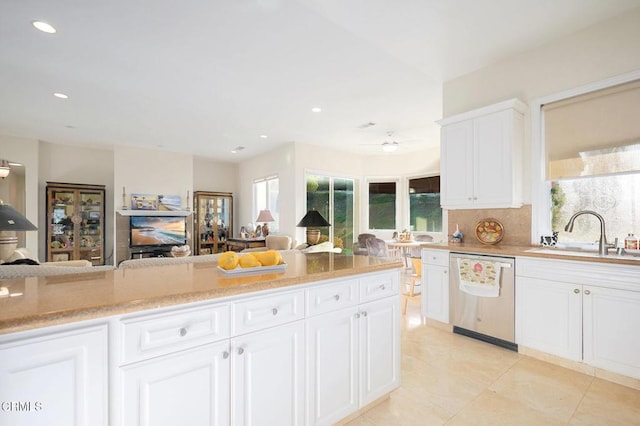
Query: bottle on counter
(631, 242)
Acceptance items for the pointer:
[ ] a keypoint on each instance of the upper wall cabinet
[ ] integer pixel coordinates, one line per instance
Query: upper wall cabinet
(481, 157)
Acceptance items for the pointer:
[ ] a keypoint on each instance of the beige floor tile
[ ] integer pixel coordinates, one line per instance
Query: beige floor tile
(608, 403)
(405, 407)
(454, 380)
(544, 387)
(494, 409)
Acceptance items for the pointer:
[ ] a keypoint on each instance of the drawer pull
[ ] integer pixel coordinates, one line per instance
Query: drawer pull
(576, 291)
(225, 355)
(183, 332)
(337, 297)
(275, 311)
(587, 292)
(240, 351)
(382, 287)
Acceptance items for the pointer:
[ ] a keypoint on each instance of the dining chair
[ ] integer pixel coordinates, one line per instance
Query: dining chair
(377, 247)
(414, 279)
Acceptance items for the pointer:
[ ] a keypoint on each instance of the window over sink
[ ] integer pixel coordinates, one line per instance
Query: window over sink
(589, 140)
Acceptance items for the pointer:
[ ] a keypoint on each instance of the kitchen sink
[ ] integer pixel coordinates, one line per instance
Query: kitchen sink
(582, 253)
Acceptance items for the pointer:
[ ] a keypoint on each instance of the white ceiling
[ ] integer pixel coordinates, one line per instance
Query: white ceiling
(205, 76)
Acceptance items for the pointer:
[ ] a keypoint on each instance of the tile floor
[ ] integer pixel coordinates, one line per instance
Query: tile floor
(454, 380)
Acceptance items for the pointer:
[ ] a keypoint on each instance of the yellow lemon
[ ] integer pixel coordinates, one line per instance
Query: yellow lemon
(249, 261)
(228, 260)
(270, 258)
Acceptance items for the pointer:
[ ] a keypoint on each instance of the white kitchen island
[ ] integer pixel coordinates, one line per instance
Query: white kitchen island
(187, 344)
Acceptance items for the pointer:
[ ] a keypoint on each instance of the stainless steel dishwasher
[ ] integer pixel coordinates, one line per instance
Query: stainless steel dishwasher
(491, 319)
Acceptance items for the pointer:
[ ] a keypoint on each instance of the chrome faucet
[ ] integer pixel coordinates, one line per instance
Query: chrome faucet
(603, 246)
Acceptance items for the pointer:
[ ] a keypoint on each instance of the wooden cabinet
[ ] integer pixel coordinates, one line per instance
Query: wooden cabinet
(580, 311)
(213, 221)
(75, 222)
(367, 364)
(59, 377)
(435, 282)
(481, 157)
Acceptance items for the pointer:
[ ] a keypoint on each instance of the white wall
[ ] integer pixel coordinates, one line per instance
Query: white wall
(278, 162)
(216, 176)
(151, 171)
(601, 51)
(25, 151)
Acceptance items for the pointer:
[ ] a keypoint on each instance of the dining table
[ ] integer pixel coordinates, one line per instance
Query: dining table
(403, 248)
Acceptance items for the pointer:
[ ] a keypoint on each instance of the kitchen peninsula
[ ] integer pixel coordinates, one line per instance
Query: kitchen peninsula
(190, 344)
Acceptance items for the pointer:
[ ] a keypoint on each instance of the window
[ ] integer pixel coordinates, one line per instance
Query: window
(333, 197)
(592, 148)
(425, 213)
(265, 196)
(382, 205)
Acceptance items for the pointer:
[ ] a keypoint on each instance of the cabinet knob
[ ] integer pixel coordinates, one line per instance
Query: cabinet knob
(444, 272)
(587, 292)
(382, 287)
(475, 198)
(275, 311)
(357, 315)
(240, 351)
(469, 198)
(337, 297)
(576, 291)
(225, 354)
(364, 314)
(183, 332)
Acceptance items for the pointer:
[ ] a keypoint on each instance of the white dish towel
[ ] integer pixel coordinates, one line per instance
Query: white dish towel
(479, 277)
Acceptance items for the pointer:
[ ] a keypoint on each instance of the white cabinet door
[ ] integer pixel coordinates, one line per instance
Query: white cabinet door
(188, 388)
(268, 376)
(379, 348)
(612, 329)
(549, 316)
(60, 379)
(457, 164)
(493, 159)
(332, 369)
(435, 298)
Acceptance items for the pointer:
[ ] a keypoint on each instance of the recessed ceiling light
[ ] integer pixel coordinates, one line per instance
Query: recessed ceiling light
(44, 27)
(61, 95)
(264, 136)
(316, 109)
(389, 146)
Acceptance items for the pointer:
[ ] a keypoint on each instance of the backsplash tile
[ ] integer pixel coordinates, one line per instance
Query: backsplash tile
(516, 223)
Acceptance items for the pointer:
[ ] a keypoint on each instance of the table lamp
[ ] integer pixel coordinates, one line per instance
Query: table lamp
(313, 219)
(10, 221)
(265, 216)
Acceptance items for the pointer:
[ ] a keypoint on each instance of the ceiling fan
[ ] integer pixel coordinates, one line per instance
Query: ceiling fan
(391, 144)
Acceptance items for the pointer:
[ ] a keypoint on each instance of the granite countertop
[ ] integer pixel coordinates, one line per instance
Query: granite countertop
(44, 301)
(536, 251)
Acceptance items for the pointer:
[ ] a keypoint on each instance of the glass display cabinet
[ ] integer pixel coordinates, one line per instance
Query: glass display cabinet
(212, 220)
(75, 222)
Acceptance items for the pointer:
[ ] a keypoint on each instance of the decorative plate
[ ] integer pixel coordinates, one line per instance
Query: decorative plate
(259, 269)
(489, 231)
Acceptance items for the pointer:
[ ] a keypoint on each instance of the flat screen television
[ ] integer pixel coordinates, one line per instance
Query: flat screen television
(157, 231)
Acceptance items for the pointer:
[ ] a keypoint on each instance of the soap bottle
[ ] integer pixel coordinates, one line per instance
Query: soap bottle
(631, 242)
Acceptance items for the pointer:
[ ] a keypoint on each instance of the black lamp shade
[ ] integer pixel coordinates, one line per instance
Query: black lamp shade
(313, 218)
(12, 220)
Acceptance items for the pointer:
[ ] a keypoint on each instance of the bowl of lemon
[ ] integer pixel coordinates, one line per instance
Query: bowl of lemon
(231, 262)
